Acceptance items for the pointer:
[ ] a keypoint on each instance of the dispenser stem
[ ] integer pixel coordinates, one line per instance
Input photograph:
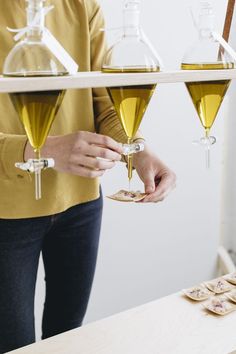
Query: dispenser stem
(36, 166)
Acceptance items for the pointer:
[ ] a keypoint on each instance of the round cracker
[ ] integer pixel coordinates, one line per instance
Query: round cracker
(127, 196)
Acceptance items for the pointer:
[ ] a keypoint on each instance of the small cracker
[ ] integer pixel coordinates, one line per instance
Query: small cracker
(214, 286)
(128, 197)
(231, 278)
(231, 296)
(192, 293)
(227, 306)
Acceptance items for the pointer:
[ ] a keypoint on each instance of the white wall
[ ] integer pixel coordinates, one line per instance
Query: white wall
(148, 251)
(228, 219)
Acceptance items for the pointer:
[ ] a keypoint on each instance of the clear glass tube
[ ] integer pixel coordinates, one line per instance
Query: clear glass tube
(38, 182)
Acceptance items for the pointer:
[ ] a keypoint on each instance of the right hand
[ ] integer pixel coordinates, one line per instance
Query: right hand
(83, 153)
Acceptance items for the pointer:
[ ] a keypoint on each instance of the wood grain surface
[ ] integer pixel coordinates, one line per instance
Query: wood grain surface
(171, 325)
(228, 19)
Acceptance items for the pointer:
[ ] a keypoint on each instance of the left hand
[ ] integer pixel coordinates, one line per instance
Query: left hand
(158, 179)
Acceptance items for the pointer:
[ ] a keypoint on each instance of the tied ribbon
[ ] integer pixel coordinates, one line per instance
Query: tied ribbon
(224, 44)
(49, 40)
(36, 22)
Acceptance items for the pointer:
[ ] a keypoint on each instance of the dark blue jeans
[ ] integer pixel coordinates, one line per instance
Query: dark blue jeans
(69, 244)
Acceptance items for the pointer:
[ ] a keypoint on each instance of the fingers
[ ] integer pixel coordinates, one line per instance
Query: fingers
(149, 182)
(103, 153)
(93, 162)
(83, 153)
(91, 167)
(104, 141)
(163, 188)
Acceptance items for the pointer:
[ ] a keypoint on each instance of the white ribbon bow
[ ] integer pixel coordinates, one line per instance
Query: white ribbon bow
(22, 31)
(56, 48)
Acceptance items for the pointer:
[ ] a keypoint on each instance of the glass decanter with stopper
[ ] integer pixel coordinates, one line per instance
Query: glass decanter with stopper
(32, 57)
(210, 52)
(131, 54)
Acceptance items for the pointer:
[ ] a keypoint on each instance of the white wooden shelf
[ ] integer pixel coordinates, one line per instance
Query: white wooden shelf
(94, 79)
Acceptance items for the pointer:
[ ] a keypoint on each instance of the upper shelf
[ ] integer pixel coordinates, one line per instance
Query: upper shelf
(84, 80)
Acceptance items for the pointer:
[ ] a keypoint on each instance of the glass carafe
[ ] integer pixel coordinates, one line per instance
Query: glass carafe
(131, 54)
(32, 57)
(207, 54)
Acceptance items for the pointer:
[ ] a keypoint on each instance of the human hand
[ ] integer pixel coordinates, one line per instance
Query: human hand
(158, 179)
(82, 153)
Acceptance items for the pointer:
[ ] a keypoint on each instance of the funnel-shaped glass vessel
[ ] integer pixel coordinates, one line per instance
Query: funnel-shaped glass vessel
(207, 54)
(31, 57)
(131, 54)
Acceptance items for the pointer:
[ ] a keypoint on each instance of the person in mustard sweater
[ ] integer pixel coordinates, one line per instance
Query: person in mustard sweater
(65, 224)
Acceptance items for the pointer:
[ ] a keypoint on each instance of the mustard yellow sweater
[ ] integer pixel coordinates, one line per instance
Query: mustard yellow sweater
(76, 24)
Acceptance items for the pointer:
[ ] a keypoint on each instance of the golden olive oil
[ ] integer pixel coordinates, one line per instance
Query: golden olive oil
(207, 96)
(131, 102)
(37, 111)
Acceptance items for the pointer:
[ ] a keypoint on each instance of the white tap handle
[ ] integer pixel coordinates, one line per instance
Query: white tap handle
(34, 165)
(51, 163)
(134, 148)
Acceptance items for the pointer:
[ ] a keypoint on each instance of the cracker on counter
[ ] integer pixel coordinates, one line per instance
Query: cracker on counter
(126, 196)
(231, 295)
(231, 278)
(198, 293)
(218, 286)
(219, 305)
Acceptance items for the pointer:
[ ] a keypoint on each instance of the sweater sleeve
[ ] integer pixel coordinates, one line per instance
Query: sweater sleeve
(106, 119)
(11, 151)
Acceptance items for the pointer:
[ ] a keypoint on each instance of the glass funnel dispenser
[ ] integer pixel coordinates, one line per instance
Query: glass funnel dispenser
(32, 57)
(131, 54)
(210, 52)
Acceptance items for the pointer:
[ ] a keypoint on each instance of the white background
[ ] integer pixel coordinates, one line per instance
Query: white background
(148, 251)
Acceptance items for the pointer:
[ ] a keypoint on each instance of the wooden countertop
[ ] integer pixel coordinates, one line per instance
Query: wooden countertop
(171, 325)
